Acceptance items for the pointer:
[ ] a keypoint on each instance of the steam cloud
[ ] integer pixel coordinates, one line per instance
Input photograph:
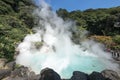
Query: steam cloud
(51, 46)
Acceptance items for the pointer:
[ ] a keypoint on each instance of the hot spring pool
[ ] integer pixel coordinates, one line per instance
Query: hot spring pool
(62, 64)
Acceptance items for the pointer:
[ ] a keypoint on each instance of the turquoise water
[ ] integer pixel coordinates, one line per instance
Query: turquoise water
(65, 65)
(85, 64)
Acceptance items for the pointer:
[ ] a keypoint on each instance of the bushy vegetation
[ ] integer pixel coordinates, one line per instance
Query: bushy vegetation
(116, 39)
(97, 21)
(16, 21)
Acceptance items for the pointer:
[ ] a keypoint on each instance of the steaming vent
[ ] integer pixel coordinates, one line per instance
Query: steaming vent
(51, 46)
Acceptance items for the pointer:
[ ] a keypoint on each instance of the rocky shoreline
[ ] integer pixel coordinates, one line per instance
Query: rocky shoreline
(13, 71)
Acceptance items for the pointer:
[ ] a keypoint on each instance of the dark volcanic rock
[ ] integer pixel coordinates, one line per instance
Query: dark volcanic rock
(4, 73)
(96, 76)
(49, 74)
(77, 75)
(112, 75)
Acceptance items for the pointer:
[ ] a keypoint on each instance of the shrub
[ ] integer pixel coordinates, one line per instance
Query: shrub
(116, 39)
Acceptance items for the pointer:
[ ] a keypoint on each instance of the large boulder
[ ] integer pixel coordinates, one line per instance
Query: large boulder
(109, 74)
(96, 76)
(49, 74)
(77, 75)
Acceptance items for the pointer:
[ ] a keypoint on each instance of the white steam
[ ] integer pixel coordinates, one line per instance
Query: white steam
(51, 46)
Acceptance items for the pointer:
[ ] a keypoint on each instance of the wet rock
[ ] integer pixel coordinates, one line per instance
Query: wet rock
(4, 73)
(77, 75)
(96, 76)
(109, 74)
(49, 74)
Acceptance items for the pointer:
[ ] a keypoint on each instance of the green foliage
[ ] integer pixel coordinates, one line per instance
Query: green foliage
(62, 13)
(16, 21)
(4, 8)
(116, 39)
(96, 21)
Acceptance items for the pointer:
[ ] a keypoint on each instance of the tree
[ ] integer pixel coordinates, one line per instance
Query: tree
(62, 13)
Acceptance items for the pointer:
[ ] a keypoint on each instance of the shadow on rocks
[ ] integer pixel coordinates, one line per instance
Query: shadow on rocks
(77, 75)
(96, 76)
